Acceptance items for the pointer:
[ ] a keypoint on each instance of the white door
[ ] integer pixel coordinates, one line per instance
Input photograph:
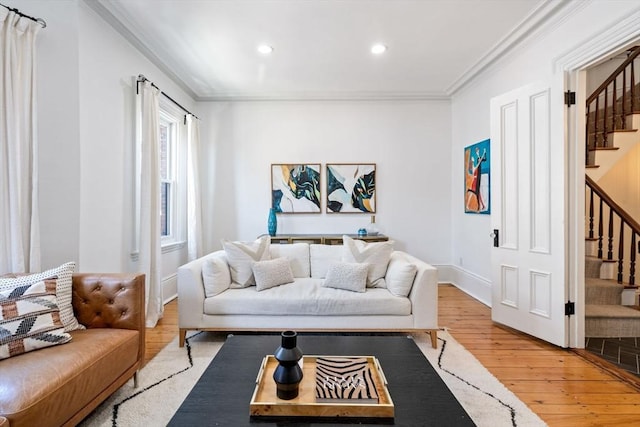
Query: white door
(528, 211)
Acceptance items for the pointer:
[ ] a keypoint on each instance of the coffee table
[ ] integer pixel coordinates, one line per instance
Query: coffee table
(221, 397)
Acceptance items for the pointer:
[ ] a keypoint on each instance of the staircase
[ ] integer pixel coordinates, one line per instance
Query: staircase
(611, 248)
(605, 316)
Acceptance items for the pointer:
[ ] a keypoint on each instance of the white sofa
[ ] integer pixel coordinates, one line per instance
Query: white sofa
(306, 304)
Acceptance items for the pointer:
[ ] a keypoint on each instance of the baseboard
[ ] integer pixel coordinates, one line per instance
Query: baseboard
(169, 288)
(470, 283)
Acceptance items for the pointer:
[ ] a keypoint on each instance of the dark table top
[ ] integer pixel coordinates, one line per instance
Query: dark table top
(222, 395)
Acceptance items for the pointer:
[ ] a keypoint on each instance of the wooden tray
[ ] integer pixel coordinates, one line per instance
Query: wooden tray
(265, 402)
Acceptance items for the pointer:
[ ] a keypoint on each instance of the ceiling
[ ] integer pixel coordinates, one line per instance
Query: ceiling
(322, 47)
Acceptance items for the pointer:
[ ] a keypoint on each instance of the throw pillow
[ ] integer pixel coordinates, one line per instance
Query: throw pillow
(321, 257)
(298, 256)
(400, 276)
(216, 276)
(348, 276)
(377, 254)
(271, 273)
(30, 318)
(241, 256)
(64, 283)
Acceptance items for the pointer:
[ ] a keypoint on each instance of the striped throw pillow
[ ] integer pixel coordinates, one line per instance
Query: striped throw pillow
(30, 318)
(64, 283)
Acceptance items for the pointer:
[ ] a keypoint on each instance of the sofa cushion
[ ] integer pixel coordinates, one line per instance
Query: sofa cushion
(298, 256)
(273, 272)
(322, 256)
(30, 319)
(306, 297)
(63, 275)
(216, 276)
(349, 276)
(376, 254)
(58, 381)
(400, 276)
(241, 256)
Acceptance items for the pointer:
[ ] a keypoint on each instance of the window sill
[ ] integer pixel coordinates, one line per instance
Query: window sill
(165, 249)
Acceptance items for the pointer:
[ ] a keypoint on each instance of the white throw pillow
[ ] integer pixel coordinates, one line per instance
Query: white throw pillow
(241, 256)
(271, 273)
(216, 276)
(400, 276)
(376, 254)
(322, 256)
(298, 256)
(348, 276)
(64, 285)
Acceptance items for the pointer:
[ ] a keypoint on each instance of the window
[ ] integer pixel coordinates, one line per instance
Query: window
(172, 176)
(172, 173)
(167, 176)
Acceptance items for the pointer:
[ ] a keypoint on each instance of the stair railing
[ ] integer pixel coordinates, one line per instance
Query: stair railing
(611, 103)
(628, 227)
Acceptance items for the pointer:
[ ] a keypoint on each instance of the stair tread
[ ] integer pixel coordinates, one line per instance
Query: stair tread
(594, 281)
(604, 148)
(610, 311)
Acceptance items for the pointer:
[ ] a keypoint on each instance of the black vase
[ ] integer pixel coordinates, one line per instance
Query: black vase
(288, 373)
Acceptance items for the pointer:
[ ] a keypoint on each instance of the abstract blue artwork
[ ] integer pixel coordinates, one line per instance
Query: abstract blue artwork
(477, 174)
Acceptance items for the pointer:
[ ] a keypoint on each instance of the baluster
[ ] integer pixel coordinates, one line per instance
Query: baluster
(600, 213)
(610, 245)
(615, 103)
(632, 260)
(596, 125)
(588, 139)
(633, 89)
(605, 137)
(621, 251)
(624, 91)
(590, 213)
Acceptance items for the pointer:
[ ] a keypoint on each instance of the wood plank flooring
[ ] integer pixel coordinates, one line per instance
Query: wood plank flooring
(562, 387)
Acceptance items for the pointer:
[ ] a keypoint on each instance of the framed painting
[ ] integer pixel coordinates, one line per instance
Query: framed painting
(477, 178)
(351, 188)
(295, 188)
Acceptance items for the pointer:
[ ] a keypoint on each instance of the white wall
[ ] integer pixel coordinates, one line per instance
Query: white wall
(408, 140)
(87, 125)
(470, 123)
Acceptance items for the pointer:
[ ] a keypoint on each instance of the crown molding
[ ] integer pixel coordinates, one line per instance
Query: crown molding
(109, 12)
(545, 15)
(536, 21)
(326, 96)
(623, 34)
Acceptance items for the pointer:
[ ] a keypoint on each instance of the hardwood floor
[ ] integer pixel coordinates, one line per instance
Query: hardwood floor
(559, 385)
(165, 331)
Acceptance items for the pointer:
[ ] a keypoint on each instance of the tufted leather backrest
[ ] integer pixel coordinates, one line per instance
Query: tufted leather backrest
(110, 300)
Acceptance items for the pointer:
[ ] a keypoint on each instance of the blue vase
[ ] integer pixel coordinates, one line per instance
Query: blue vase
(272, 223)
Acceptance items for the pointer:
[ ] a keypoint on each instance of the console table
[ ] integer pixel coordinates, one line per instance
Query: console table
(323, 239)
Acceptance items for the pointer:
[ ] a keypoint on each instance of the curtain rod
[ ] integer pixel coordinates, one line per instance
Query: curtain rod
(142, 78)
(38, 20)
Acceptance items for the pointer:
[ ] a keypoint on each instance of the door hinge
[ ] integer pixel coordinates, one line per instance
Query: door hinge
(569, 309)
(569, 98)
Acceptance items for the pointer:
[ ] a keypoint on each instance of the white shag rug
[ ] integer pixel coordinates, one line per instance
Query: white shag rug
(168, 378)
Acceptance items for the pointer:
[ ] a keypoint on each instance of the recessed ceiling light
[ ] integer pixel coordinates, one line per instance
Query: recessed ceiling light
(265, 49)
(377, 49)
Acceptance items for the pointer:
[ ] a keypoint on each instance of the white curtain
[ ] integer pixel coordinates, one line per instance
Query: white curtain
(19, 222)
(194, 207)
(150, 252)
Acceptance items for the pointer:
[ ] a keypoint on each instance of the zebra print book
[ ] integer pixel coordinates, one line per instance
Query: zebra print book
(344, 380)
